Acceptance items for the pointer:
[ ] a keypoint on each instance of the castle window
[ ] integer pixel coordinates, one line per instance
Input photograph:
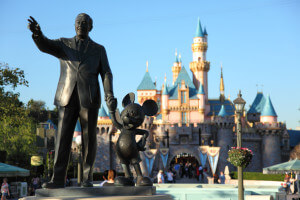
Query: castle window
(183, 96)
(102, 130)
(183, 117)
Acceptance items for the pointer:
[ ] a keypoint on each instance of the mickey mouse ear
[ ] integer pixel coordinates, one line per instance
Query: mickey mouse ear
(128, 99)
(150, 107)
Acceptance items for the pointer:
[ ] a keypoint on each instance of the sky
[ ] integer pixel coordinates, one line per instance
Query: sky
(256, 41)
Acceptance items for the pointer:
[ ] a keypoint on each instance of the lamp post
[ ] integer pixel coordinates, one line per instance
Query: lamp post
(78, 142)
(239, 104)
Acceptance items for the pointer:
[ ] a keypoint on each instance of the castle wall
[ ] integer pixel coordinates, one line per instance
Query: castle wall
(194, 117)
(174, 117)
(271, 149)
(173, 102)
(256, 147)
(225, 141)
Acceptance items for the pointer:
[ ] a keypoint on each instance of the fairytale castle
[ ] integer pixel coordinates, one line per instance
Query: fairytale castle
(189, 122)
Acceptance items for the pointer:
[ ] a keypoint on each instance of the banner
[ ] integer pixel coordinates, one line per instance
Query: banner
(164, 154)
(203, 154)
(213, 158)
(149, 159)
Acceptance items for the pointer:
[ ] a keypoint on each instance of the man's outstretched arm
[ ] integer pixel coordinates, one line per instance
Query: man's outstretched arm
(44, 44)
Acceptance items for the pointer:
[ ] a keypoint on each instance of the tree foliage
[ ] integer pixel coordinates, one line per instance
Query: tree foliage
(295, 153)
(17, 134)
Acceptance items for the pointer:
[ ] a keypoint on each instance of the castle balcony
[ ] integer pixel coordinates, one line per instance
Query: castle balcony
(273, 125)
(200, 66)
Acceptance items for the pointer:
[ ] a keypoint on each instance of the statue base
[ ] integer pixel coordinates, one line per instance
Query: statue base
(96, 191)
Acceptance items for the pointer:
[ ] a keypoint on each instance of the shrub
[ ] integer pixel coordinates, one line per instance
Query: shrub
(258, 176)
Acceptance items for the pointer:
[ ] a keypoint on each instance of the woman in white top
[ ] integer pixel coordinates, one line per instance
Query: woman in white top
(160, 177)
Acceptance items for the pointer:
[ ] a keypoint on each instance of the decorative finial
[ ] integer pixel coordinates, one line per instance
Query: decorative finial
(179, 57)
(221, 70)
(176, 52)
(165, 77)
(262, 88)
(147, 64)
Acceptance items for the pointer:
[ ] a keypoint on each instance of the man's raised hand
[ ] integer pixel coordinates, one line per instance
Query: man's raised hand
(33, 26)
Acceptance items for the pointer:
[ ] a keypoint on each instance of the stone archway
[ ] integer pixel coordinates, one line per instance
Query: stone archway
(193, 151)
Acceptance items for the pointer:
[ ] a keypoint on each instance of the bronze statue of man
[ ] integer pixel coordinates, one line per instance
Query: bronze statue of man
(77, 94)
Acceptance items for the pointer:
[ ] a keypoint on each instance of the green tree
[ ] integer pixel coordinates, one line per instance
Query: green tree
(17, 134)
(37, 110)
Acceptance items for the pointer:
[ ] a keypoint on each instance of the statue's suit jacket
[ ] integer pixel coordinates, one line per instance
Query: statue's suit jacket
(81, 68)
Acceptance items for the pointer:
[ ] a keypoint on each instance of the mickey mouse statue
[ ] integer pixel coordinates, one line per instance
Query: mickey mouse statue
(127, 148)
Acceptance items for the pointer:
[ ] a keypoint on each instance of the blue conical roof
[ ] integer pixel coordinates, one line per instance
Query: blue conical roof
(176, 58)
(199, 32)
(77, 127)
(102, 112)
(147, 83)
(165, 91)
(183, 75)
(201, 89)
(258, 103)
(268, 109)
(222, 112)
(205, 32)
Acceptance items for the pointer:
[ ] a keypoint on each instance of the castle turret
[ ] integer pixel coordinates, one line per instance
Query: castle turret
(268, 114)
(146, 89)
(102, 113)
(200, 66)
(201, 97)
(165, 101)
(253, 115)
(225, 123)
(176, 68)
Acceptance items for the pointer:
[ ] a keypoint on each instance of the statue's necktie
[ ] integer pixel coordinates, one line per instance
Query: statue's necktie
(81, 47)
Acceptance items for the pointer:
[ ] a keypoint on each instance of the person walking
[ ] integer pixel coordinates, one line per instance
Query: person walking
(221, 178)
(170, 176)
(200, 173)
(4, 189)
(160, 177)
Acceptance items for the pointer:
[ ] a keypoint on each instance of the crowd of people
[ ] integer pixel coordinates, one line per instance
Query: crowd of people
(187, 170)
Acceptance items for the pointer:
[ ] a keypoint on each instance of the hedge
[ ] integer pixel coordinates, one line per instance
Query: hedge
(258, 176)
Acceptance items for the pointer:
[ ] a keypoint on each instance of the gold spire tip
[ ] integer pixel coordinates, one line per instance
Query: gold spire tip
(147, 64)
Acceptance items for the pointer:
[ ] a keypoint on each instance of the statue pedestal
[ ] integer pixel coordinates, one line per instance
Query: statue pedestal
(101, 193)
(96, 191)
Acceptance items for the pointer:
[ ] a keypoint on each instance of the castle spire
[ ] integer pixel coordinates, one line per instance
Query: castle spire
(176, 57)
(199, 32)
(205, 32)
(222, 87)
(165, 90)
(147, 63)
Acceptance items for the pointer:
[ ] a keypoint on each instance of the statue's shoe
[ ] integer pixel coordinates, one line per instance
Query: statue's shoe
(52, 185)
(87, 184)
(123, 181)
(144, 181)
